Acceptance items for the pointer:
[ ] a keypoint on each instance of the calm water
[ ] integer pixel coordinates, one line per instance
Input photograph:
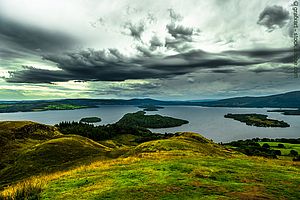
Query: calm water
(209, 122)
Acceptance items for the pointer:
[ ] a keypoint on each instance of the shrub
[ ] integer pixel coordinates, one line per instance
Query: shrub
(297, 158)
(266, 146)
(293, 153)
(277, 152)
(281, 146)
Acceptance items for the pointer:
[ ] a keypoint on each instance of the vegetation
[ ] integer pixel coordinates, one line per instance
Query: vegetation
(287, 111)
(179, 166)
(150, 107)
(106, 132)
(185, 166)
(139, 119)
(258, 120)
(33, 106)
(90, 119)
(272, 148)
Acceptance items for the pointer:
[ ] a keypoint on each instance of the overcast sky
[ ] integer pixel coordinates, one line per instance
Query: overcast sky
(191, 49)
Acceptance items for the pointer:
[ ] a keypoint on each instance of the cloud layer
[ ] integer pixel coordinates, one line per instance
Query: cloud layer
(111, 65)
(136, 48)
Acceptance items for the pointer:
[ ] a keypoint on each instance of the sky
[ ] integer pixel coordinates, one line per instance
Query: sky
(171, 49)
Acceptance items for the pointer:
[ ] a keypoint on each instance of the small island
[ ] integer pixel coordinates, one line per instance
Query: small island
(90, 120)
(258, 120)
(150, 107)
(287, 111)
(139, 119)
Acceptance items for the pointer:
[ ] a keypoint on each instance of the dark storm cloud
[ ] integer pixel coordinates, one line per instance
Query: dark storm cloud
(135, 30)
(37, 75)
(276, 55)
(25, 37)
(111, 65)
(223, 71)
(273, 17)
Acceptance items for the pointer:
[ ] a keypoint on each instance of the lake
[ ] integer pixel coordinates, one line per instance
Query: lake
(209, 122)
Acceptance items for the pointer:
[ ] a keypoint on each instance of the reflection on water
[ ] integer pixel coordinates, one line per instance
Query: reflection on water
(209, 122)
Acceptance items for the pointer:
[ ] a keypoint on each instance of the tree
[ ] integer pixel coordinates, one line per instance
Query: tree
(293, 153)
(266, 146)
(297, 158)
(281, 146)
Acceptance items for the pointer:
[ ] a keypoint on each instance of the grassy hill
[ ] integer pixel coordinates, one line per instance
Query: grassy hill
(182, 166)
(30, 148)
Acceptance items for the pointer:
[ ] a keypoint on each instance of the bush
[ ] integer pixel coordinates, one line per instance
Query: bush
(281, 146)
(297, 158)
(266, 146)
(293, 153)
(277, 152)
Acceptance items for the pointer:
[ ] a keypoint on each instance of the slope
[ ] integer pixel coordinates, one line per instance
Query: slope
(185, 166)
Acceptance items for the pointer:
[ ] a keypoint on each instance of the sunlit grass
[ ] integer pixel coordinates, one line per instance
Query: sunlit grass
(187, 166)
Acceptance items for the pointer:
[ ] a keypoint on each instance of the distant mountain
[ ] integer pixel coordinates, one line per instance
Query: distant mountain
(286, 100)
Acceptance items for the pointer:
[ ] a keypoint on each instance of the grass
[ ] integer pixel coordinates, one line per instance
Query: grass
(185, 166)
(31, 149)
(173, 176)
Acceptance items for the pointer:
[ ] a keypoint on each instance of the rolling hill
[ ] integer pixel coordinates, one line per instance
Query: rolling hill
(181, 166)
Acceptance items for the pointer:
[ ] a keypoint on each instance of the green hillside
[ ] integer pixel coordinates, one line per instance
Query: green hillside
(182, 166)
(30, 149)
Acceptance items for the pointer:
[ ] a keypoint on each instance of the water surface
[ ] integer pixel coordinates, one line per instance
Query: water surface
(209, 122)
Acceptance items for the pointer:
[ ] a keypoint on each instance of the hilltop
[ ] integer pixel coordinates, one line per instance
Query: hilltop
(179, 166)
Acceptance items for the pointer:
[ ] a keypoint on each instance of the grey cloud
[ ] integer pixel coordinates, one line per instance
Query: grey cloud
(136, 30)
(177, 44)
(155, 43)
(145, 51)
(273, 17)
(223, 71)
(288, 70)
(180, 32)
(181, 37)
(174, 16)
(30, 38)
(111, 65)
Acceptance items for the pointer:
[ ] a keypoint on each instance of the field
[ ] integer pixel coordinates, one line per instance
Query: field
(287, 147)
